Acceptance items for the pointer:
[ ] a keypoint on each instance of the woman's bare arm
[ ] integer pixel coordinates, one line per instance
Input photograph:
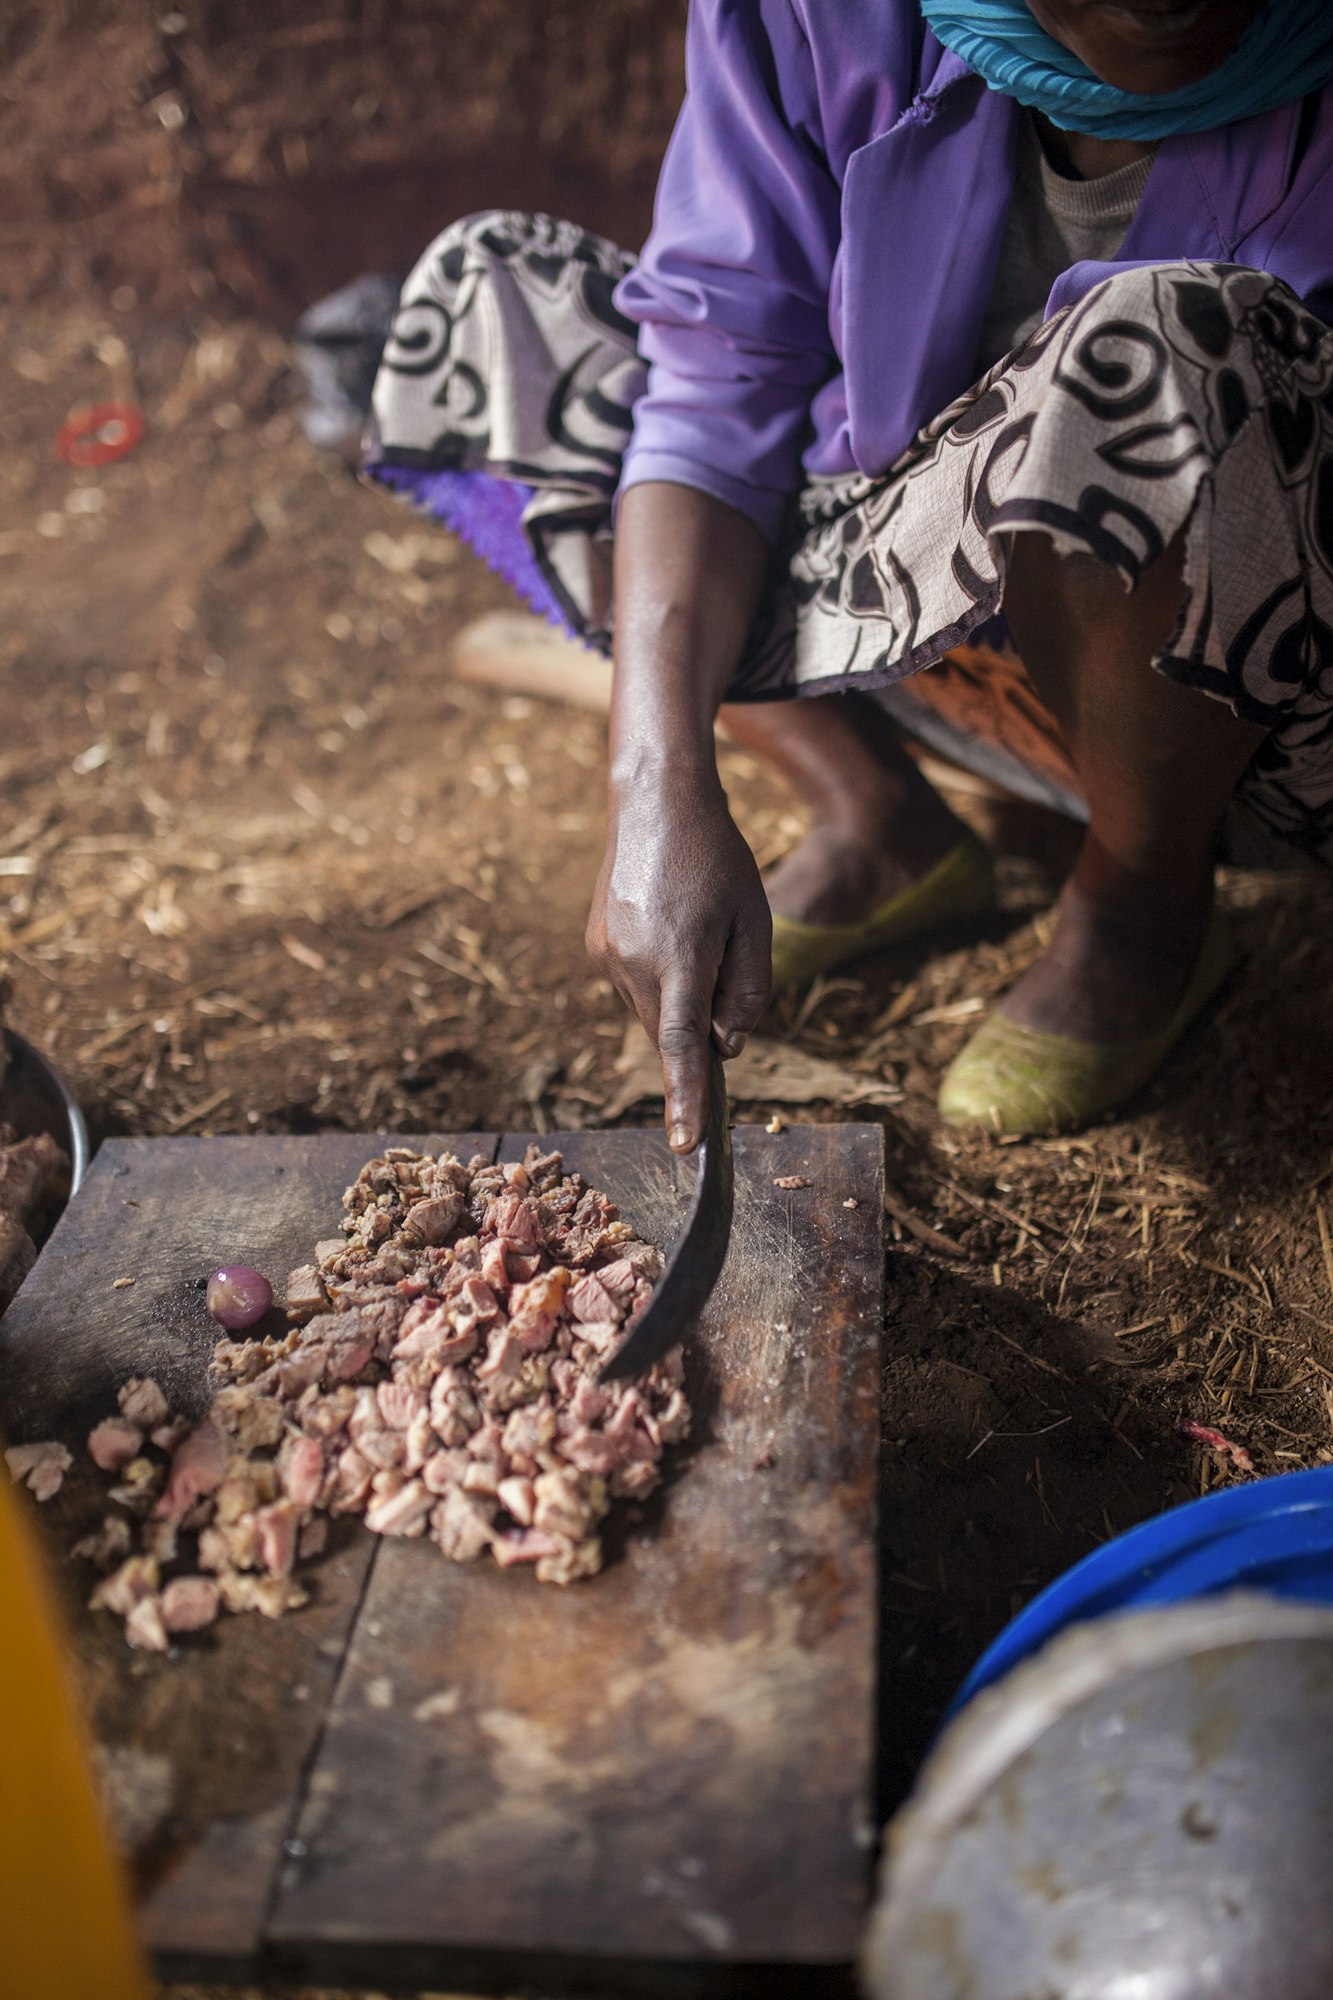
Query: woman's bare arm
(679, 919)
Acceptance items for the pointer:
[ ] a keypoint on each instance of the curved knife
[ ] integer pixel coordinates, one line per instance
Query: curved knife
(701, 1250)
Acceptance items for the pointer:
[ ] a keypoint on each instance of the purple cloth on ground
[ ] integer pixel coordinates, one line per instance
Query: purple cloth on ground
(487, 513)
(828, 222)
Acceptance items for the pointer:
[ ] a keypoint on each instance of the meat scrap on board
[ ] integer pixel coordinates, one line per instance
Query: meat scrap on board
(438, 1378)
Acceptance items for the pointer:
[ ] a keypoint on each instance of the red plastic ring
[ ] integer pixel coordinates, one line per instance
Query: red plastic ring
(99, 433)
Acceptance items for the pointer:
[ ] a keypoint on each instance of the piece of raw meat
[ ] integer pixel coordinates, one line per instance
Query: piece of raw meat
(142, 1403)
(198, 1466)
(18, 1254)
(189, 1603)
(41, 1467)
(113, 1443)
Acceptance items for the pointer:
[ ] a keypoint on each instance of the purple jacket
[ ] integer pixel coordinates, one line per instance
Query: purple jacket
(828, 222)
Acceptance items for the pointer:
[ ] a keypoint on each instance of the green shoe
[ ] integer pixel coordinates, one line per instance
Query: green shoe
(955, 890)
(1017, 1081)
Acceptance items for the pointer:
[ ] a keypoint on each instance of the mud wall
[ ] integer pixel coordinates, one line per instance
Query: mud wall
(254, 155)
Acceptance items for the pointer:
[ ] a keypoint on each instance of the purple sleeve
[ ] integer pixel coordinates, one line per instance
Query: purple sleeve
(1297, 242)
(1248, 168)
(732, 294)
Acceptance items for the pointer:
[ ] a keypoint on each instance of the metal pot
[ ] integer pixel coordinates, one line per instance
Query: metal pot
(1144, 1811)
(34, 1097)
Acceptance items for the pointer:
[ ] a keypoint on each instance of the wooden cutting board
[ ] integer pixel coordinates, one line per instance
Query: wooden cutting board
(657, 1782)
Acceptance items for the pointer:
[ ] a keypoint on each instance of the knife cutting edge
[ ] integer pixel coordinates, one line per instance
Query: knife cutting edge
(693, 1267)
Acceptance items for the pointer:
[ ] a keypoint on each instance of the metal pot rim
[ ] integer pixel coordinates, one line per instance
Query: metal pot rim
(74, 1138)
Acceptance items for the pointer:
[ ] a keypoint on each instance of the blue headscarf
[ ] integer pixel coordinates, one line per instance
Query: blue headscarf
(1286, 51)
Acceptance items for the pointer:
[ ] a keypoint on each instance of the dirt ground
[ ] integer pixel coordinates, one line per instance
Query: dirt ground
(263, 867)
(254, 157)
(266, 869)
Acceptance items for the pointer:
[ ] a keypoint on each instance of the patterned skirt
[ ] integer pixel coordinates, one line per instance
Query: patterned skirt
(1195, 396)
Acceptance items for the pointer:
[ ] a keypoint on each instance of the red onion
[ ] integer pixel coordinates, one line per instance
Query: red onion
(237, 1296)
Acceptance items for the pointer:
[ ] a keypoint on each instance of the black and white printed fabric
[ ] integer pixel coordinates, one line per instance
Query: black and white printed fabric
(1174, 396)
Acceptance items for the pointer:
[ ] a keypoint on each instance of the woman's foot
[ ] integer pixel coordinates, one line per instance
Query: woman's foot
(1116, 967)
(1134, 956)
(1017, 1081)
(878, 824)
(840, 873)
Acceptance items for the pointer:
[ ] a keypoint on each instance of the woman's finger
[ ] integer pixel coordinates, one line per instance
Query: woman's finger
(744, 984)
(683, 1031)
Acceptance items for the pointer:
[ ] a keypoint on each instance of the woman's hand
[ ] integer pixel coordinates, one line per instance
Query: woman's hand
(680, 925)
(679, 920)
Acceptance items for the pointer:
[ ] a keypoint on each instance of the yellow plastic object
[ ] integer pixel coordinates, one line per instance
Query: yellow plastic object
(64, 1924)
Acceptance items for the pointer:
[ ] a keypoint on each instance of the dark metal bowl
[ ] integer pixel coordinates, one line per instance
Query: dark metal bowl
(34, 1097)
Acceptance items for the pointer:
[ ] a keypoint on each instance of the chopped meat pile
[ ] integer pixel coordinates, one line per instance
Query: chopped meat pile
(439, 1379)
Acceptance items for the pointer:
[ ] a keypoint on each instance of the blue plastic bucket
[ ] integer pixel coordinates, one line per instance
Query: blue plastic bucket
(1274, 1535)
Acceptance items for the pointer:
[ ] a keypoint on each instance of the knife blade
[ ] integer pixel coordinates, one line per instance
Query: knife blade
(693, 1267)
